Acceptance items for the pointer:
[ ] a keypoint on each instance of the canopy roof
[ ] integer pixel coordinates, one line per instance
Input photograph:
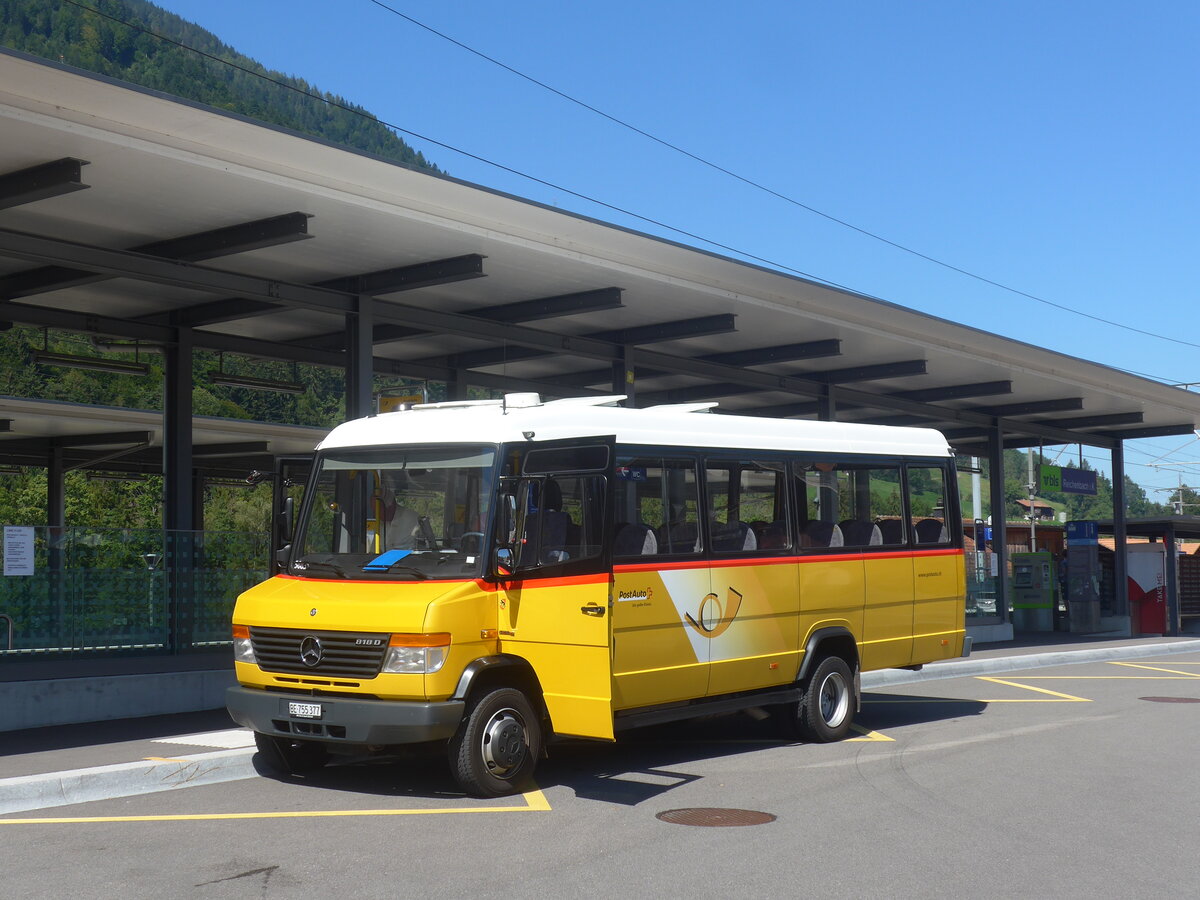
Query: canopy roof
(131, 215)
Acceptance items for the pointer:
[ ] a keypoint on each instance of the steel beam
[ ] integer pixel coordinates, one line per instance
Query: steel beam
(761, 356)
(211, 244)
(191, 276)
(1032, 407)
(520, 311)
(876, 372)
(644, 334)
(52, 179)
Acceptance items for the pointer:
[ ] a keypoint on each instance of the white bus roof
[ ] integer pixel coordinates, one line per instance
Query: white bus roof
(523, 418)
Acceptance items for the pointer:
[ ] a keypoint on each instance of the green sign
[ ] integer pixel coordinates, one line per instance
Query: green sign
(1051, 479)
(1075, 481)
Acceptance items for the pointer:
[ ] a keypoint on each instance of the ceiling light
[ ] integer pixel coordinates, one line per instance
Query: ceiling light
(259, 384)
(91, 363)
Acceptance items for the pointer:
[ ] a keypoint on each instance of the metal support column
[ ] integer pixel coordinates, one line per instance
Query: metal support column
(624, 380)
(999, 531)
(456, 389)
(1174, 619)
(178, 494)
(1120, 560)
(56, 520)
(360, 374)
(827, 403)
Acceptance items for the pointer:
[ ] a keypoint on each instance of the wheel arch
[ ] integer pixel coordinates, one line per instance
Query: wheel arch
(835, 640)
(501, 670)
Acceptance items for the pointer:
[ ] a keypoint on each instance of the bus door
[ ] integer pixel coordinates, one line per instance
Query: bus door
(287, 490)
(661, 581)
(555, 603)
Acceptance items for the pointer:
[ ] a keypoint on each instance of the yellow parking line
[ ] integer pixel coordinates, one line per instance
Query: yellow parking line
(1058, 697)
(535, 801)
(869, 735)
(1158, 669)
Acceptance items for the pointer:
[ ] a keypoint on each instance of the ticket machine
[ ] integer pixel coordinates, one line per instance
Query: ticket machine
(1033, 590)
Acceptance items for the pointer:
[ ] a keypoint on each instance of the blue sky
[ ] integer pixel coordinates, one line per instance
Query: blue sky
(1051, 147)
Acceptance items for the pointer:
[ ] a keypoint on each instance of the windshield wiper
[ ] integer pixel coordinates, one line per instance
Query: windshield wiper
(304, 565)
(397, 566)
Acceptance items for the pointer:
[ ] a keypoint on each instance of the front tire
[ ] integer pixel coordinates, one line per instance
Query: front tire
(496, 747)
(826, 708)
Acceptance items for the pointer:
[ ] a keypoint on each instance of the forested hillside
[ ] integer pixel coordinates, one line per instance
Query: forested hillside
(68, 33)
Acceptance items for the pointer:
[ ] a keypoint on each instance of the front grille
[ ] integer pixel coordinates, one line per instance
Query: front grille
(343, 653)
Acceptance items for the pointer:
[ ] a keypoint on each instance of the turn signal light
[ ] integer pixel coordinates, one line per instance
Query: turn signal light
(416, 654)
(243, 648)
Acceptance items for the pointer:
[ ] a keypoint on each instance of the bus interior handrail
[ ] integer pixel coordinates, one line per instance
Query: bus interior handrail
(9, 620)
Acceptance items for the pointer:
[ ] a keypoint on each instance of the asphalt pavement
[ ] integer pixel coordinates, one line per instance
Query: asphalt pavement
(64, 765)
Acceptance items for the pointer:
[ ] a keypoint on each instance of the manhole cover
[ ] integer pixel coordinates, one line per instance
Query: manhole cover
(709, 817)
(1171, 699)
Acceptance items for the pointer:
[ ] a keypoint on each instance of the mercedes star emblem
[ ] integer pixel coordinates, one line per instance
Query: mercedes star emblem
(310, 651)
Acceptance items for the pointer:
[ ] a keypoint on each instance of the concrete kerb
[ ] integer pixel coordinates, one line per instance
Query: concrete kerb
(30, 792)
(959, 668)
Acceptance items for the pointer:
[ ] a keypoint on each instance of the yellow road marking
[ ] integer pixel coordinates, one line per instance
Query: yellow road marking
(868, 735)
(1157, 669)
(535, 801)
(1058, 697)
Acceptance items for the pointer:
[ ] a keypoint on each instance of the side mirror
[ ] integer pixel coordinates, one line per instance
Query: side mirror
(502, 563)
(287, 519)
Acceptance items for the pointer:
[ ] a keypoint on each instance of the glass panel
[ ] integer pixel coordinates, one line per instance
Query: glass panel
(845, 505)
(564, 521)
(926, 497)
(397, 512)
(120, 590)
(745, 506)
(657, 507)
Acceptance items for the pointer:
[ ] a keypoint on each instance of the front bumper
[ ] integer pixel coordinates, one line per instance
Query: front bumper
(345, 720)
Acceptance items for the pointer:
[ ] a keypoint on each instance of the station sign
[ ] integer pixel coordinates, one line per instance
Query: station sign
(1082, 534)
(1067, 481)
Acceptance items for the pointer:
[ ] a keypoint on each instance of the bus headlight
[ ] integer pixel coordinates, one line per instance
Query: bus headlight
(416, 654)
(243, 649)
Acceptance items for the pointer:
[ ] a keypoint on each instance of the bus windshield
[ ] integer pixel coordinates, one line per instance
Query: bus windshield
(399, 513)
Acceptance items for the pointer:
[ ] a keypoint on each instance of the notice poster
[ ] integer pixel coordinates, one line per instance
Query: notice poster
(18, 550)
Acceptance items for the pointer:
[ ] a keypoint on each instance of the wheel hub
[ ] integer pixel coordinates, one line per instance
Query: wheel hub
(835, 700)
(504, 742)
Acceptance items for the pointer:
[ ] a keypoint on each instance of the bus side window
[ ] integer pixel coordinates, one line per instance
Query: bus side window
(657, 507)
(926, 499)
(746, 505)
(817, 489)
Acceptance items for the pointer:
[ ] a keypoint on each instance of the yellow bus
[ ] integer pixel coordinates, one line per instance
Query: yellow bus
(489, 574)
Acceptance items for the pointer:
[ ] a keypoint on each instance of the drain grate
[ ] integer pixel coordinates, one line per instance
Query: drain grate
(710, 817)
(1171, 699)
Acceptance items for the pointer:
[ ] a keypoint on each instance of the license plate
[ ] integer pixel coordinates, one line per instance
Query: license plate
(304, 710)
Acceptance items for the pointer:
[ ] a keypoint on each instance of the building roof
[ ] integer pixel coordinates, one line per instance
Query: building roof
(168, 215)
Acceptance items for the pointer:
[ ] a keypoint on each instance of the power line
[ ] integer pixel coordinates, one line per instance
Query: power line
(421, 137)
(769, 190)
(553, 186)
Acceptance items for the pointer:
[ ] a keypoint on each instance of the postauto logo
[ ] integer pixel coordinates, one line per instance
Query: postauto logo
(714, 616)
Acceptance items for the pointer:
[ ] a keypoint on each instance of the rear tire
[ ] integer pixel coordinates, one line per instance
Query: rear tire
(826, 710)
(496, 747)
(291, 757)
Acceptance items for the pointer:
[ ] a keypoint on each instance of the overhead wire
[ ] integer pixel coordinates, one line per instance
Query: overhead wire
(586, 197)
(468, 154)
(775, 193)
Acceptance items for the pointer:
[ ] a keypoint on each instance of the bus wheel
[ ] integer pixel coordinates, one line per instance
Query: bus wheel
(496, 747)
(826, 708)
(291, 757)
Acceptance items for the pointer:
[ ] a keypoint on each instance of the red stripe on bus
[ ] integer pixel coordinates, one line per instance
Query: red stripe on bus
(784, 560)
